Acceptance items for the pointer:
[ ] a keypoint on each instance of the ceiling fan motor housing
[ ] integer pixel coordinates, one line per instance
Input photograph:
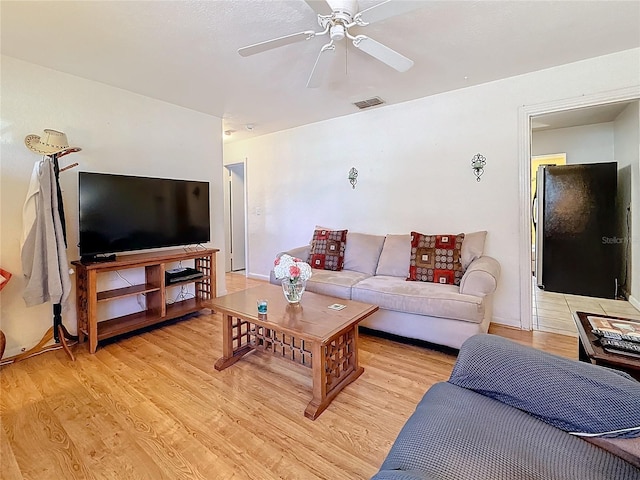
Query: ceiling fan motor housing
(340, 19)
(345, 7)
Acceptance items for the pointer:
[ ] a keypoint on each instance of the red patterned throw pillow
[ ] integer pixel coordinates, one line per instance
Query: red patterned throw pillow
(327, 249)
(436, 258)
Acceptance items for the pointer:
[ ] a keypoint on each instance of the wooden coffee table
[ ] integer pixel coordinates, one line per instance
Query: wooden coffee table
(309, 333)
(589, 349)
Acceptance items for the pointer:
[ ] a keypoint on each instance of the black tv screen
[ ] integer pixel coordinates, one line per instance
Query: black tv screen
(121, 213)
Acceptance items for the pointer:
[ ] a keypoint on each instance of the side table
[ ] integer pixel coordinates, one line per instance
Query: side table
(589, 349)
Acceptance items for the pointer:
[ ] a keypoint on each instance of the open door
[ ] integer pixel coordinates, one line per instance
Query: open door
(235, 200)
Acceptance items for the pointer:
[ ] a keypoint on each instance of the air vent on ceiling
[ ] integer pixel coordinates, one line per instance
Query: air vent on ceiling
(369, 102)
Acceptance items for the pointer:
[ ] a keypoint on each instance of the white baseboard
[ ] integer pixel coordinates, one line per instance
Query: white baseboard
(634, 301)
(257, 276)
(507, 322)
(12, 352)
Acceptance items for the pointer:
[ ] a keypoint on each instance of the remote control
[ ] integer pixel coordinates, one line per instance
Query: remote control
(622, 347)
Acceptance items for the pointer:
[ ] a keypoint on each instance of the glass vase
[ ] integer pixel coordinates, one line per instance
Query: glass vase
(293, 290)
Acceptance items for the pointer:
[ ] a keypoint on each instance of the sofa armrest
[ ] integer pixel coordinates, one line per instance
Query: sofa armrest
(481, 277)
(298, 252)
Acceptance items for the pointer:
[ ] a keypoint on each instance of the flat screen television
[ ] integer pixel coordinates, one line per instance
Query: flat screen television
(121, 213)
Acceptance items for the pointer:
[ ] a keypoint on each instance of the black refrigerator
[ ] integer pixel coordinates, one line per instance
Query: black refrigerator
(576, 237)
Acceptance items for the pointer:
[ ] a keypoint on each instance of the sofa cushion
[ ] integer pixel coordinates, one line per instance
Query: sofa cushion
(578, 397)
(394, 258)
(422, 298)
(335, 284)
(362, 252)
(458, 434)
(436, 258)
(472, 247)
(327, 249)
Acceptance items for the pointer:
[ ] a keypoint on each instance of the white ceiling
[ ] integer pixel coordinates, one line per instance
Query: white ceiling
(579, 116)
(185, 52)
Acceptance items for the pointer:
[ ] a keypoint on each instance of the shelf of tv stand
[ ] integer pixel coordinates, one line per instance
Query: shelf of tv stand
(135, 321)
(155, 265)
(185, 282)
(127, 292)
(184, 307)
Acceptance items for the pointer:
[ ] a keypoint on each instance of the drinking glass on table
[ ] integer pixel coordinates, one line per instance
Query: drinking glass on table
(262, 306)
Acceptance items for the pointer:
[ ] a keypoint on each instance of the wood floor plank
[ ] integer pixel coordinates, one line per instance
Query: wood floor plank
(138, 421)
(41, 445)
(151, 406)
(266, 363)
(170, 397)
(253, 417)
(9, 468)
(18, 389)
(563, 345)
(98, 431)
(88, 423)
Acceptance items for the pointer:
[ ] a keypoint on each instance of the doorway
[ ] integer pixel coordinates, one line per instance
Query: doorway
(235, 217)
(528, 116)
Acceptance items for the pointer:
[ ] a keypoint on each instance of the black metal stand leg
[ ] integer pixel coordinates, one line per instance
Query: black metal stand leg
(57, 321)
(60, 333)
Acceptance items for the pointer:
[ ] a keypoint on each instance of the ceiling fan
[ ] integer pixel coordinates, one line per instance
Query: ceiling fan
(336, 21)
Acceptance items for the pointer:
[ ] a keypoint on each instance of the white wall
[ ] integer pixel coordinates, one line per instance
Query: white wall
(414, 168)
(627, 148)
(584, 144)
(119, 132)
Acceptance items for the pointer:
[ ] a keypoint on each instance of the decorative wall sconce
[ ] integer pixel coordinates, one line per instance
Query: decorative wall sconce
(477, 164)
(353, 177)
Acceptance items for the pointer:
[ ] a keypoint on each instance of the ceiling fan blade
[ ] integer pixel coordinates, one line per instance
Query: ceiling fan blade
(275, 43)
(386, 9)
(322, 65)
(321, 7)
(383, 53)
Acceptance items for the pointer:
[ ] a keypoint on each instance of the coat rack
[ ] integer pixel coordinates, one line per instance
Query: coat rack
(58, 333)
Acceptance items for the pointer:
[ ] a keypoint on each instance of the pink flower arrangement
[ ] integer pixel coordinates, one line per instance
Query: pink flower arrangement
(291, 268)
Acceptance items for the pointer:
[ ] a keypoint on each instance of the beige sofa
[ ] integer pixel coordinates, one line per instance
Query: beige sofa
(375, 271)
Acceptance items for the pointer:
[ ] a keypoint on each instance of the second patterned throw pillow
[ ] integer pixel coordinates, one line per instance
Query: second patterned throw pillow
(436, 258)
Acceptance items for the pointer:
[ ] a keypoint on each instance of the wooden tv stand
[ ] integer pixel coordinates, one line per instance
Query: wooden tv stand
(157, 310)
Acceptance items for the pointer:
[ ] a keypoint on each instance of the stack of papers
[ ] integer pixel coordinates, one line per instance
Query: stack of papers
(615, 328)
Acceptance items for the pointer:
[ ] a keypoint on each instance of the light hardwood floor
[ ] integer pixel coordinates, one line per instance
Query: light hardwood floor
(151, 406)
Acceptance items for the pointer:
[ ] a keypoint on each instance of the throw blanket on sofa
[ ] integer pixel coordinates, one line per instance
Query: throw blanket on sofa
(579, 398)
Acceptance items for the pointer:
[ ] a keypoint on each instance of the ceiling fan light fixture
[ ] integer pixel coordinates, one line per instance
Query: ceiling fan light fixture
(337, 32)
